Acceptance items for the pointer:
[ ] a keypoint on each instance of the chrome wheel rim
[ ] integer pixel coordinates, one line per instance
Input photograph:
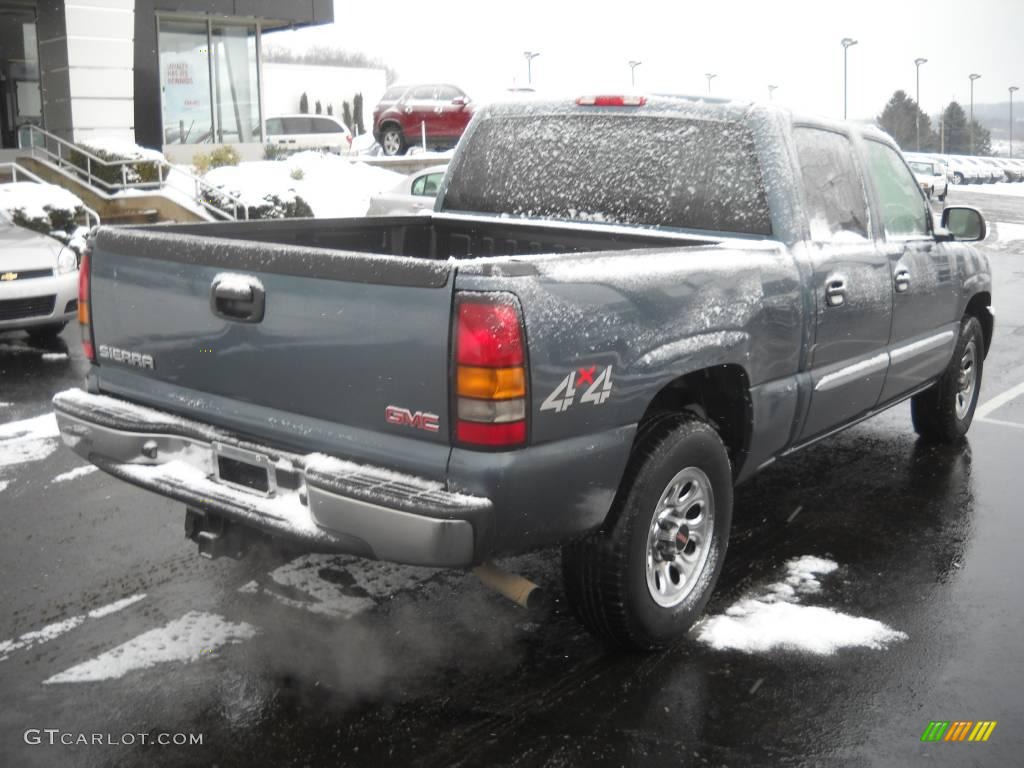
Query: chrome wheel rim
(967, 380)
(679, 539)
(391, 143)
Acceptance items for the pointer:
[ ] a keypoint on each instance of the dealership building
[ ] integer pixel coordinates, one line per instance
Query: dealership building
(156, 72)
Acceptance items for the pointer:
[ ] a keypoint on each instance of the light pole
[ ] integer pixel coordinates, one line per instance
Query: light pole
(710, 76)
(917, 98)
(771, 91)
(530, 56)
(1012, 89)
(632, 71)
(846, 43)
(973, 78)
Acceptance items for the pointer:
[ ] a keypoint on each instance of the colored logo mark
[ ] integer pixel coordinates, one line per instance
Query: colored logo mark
(959, 730)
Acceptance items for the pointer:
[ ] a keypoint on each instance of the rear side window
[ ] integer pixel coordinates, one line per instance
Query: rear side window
(619, 169)
(837, 207)
(447, 93)
(423, 93)
(322, 125)
(904, 210)
(294, 125)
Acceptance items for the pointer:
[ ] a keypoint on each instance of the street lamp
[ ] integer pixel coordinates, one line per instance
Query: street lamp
(530, 56)
(1012, 89)
(632, 71)
(846, 43)
(973, 78)
(771, 90)
(710, 76)
(917, 98)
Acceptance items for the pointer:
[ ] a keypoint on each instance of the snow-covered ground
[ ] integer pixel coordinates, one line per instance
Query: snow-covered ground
(333, 186)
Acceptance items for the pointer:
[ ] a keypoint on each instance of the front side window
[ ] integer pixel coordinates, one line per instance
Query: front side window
(298, 125)
(904, 211)
(837, 208)
(323, 125)
(423, 93)
(617, 169)
(275, 126)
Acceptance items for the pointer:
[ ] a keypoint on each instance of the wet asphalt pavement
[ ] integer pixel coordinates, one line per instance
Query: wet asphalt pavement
(335, 661)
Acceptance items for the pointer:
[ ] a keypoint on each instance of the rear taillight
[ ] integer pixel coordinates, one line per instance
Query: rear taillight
(490, 371)
(85, 306)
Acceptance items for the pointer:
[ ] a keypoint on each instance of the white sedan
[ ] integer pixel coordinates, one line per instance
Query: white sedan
(38, 281)
(414, 194)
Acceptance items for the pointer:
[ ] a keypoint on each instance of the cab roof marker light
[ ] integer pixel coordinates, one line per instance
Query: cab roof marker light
(606, 100)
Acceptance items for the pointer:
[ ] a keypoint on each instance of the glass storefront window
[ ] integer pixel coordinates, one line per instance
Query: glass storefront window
(210, 82)
(236, 86)
(185, 82)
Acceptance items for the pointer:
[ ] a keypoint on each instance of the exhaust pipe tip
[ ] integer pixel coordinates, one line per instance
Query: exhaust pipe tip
(516, 588)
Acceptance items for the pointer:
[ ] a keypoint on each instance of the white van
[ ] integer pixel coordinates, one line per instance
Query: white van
(309, 132)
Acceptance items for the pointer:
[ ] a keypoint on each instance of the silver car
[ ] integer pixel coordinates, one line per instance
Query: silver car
(413, 194)
(38, 281)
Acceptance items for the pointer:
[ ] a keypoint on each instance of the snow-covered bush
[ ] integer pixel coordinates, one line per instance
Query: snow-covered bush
(44, 208)
(145, 169)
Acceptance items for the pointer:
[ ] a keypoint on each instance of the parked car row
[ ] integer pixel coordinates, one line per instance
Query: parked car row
(962, 169)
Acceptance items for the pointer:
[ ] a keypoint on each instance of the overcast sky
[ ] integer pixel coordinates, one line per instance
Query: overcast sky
(749, 44)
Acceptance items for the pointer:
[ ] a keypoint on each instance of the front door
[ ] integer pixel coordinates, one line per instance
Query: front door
(924, 323)
(851, 283)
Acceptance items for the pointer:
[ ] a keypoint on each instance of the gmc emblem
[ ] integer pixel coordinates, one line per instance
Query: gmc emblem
(403, 417)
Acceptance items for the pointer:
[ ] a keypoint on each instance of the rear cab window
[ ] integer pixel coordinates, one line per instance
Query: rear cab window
(677, 172)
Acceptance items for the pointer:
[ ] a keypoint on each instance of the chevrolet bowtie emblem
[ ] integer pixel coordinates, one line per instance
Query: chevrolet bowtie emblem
(7, 276)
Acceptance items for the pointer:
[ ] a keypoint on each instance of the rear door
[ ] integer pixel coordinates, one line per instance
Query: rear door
(851, 284)
(418, 110)
(924, 301)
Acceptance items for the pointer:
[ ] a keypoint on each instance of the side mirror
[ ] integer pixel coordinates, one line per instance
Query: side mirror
(460, 101)
(964, 223)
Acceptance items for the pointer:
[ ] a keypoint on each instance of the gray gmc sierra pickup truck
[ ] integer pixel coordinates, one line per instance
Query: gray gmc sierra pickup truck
(621, 307)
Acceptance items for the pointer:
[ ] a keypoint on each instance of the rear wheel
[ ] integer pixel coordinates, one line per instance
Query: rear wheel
(392, 141)
(958, 178)
(643, 581)
(943, 413)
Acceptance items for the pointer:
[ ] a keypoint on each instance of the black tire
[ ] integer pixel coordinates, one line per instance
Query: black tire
(942, 197)
(606, 573)
(943, 413)
(392, 142)
(46, 332)
(958, 178)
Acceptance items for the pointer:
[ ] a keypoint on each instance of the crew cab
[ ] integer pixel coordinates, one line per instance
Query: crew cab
(620, 307)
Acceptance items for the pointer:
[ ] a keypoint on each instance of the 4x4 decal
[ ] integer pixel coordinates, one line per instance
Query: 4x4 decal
(599, 389)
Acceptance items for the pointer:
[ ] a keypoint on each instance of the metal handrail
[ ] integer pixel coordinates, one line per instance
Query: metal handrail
(91, 217)
(203, 190)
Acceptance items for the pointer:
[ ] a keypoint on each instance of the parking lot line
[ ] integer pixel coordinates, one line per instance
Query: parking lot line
(999, 400)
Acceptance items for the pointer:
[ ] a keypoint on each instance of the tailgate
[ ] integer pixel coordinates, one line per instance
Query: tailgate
(340, 338)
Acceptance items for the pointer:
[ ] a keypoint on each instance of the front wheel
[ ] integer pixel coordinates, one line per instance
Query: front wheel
(943, 413)
(646, 578)
(392, 141)
(958, 178)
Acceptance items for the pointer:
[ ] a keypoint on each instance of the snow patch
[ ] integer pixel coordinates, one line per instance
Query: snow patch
(34, 200)
(51, 631)
(52, 357)
(3, 485)
(75, 473)
(775, 619)
(1008, 231)
(1000, 188)
(28, 440)
(185, 639)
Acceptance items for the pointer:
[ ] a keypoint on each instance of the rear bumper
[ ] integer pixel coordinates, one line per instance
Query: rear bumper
(319, 502)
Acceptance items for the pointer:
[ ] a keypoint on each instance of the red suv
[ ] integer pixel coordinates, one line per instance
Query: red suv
(403, 113)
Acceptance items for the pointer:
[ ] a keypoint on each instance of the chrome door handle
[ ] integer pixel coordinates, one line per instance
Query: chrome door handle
(835, 291)
(902, 280)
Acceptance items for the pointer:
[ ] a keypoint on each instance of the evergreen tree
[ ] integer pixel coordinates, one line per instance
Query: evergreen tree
(330, 109)
(304, 104)
(955, 130)
(346, 114)
(319, 107)
(357, 114)
(901, 118)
